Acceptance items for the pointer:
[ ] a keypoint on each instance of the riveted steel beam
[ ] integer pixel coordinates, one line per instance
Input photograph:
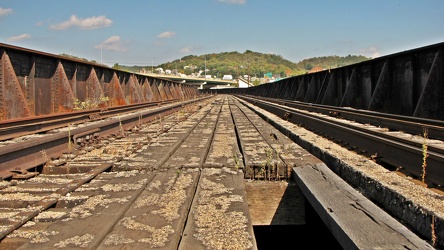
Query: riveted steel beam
(34, 83)
(409, 83)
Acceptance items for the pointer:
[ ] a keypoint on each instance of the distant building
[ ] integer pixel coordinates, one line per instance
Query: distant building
(227, 77)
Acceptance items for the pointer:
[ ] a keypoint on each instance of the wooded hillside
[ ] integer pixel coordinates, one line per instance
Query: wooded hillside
(248, 63)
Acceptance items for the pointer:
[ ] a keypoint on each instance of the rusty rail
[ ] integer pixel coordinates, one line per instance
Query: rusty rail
(389, 149)
(25, 155)
(38, 124)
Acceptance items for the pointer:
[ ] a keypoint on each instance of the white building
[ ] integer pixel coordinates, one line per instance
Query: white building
(227, 77)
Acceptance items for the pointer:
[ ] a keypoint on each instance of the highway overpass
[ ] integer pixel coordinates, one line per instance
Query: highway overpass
(201, 82)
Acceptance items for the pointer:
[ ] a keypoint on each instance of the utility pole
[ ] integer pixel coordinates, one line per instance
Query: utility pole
(152, 65)
(248, 72)
(205, 68)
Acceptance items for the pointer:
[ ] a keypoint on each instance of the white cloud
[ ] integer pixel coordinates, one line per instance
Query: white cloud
(185, 50)
(372, 52)
(113, 43)
(4, 12)
(83, 23)
(19, 37)
(166, 34)
(240, 2)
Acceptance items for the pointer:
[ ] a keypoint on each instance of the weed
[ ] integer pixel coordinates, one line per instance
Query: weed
(236, 161)
(45, 156)
(424, 153)
(121, 130)
(89, 104)
(266, 166)
(287, 150)
(278, 153)
(70, 142)
(433, 231)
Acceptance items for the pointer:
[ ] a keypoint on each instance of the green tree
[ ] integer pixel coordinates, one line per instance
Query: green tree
(188, 71)
(250, 63)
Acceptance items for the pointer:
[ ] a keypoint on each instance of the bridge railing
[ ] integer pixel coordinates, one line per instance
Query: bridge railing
(407, 83)
(34, 83)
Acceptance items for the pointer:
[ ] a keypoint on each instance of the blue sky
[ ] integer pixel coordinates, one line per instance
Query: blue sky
(146, 32)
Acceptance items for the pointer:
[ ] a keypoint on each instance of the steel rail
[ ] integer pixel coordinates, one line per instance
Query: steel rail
(64, 189)
(24, 126)
(384, 135)
(389, 149)
(409, 124)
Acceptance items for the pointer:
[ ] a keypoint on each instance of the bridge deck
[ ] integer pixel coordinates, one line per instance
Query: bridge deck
(186, 190)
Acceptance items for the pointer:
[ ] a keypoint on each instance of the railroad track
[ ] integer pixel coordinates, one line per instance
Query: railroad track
(170, 168)
(40, 124)
(173, 183)
(406, 154)
(103, 204)
(408, 124)
(417, 206)
(21, 154)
